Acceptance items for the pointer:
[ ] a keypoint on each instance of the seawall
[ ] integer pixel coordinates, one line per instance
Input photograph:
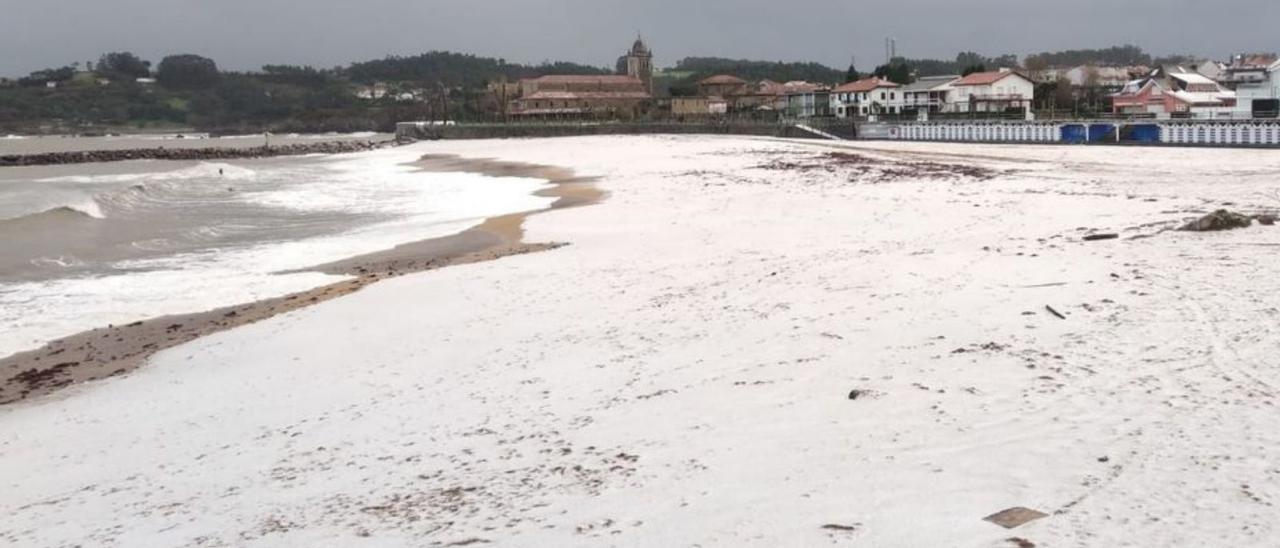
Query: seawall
(429, 130)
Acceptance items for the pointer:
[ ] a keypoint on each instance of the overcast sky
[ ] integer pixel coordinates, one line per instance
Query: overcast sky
(245, 34)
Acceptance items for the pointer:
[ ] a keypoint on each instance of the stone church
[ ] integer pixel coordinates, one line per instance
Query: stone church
(623, 96)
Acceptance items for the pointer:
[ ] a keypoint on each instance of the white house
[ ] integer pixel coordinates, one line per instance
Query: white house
(991, 92)
(1260, 97)
(866, 97)
(1105, 77)
(809, 102)
(928, 93)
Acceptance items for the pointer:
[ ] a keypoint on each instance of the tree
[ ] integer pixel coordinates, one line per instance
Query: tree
(896, 72)
(187, 71)
(123, 65)
(852, 75)
(973, 69)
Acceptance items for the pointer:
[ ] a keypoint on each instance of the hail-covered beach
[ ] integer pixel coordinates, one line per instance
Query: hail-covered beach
(739, 342)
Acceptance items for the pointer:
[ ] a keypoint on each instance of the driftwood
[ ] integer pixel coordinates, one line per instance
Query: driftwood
(1054, 312)
(1096, 237)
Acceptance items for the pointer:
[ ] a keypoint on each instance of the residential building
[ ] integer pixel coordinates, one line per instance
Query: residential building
(809, 101)
(1212, 70)
(1260, 98)
(698, 106)
(927, 94)
(1245, 69)
(1114, 78)
(991, 92)
(866, 97)
(375, 91)
(722, 85)
(1174, 91)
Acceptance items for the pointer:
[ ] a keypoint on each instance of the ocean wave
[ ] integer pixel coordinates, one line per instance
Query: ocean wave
(50, 217)
(202, 170)
(12, 137)
(60, 261)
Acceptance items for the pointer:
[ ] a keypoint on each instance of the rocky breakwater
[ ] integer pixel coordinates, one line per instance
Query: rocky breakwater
(210, 153)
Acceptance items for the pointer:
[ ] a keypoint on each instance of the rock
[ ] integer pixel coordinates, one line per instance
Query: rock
(1097, 237)
(856, 393)
(1266, 220)
(1015, 517)
(1218, 220)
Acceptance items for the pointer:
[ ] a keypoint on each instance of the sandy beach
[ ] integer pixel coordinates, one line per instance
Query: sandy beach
(750, 342)
(115, 350)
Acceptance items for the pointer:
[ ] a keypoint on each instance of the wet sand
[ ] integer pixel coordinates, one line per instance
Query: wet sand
(115, 350)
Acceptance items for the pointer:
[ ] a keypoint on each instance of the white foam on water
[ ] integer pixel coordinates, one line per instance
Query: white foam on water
(414, 205)
(201, 170)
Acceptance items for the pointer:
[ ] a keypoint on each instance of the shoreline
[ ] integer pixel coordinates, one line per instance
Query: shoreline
(115, 350)
(193, 153)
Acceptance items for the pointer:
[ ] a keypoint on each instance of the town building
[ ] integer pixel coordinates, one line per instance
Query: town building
(1259, 96)
(1245, 69)
(991, 92)
(927, 94)
(624, 96)
(373, 92)
(614, 96)
(806, 100)
(1174, 91)
(682, 107)
(866, 97)
(722, 85)
(1112, 78)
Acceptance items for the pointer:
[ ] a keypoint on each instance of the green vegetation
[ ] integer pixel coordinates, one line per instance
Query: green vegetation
(754, 71)
(190, 91)
(118, 91)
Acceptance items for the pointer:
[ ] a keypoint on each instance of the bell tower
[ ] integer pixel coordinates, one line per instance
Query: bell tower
(640, 63)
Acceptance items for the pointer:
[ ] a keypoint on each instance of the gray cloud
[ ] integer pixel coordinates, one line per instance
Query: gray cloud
(245, 34)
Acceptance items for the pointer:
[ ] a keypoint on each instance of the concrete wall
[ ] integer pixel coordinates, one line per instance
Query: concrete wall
(1255, 133)
(415, 130)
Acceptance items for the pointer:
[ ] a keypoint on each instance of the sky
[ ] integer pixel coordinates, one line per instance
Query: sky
(246, 34)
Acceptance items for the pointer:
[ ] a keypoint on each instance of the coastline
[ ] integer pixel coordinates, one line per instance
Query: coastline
(192, 153)
(115, 350)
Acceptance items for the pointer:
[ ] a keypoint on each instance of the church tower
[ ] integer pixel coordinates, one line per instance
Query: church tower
(640, 64)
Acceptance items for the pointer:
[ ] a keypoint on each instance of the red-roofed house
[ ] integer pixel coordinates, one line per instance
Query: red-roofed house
(866, 97)
(996, 91)
(722, 85)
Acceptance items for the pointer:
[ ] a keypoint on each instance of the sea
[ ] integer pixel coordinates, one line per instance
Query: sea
(90, 245)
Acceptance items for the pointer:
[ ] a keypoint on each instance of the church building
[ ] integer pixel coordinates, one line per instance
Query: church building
(623, 96)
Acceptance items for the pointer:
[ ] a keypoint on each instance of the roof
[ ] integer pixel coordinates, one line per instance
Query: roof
(986, 78)
(930, 82)
(639, 48)
(1193, 98)
(865, 84)
(723, 79)
(1253, 60)
(587, 79)
(800, 86)
(570, 95)
(1191, 78)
